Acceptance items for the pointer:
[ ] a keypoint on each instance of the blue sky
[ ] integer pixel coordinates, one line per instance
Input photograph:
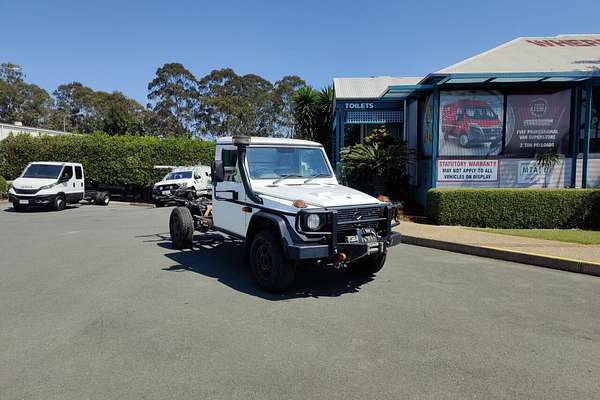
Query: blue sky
(117, 45)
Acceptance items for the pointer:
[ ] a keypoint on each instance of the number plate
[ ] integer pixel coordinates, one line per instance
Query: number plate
(23, 201)
(166, 192)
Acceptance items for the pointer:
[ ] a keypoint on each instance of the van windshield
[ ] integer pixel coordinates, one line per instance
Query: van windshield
(277, 162)
(480, 113)
(179, 175)
(42, 171)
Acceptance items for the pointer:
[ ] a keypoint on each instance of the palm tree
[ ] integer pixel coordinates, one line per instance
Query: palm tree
(305, 105)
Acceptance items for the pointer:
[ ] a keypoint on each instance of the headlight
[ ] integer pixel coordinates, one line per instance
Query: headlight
(48, 186)
(314, 221)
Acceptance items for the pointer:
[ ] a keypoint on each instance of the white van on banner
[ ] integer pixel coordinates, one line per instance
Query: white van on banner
(467, 170)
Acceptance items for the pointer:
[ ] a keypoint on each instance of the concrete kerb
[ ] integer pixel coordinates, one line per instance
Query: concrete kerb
(564, 264)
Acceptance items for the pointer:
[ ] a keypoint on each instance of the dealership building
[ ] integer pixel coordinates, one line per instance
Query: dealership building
(487, 121)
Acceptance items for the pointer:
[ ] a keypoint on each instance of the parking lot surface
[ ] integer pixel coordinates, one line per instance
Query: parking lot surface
(96, 304)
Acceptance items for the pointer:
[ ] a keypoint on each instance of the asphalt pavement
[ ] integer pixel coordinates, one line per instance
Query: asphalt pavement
(96, 304)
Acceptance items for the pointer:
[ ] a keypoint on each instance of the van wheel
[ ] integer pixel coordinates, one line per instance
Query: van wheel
(369, 265)
(18, 207)
(59, 203)
(181, 227)
(159, 204)
(463, 140)
(102, 198)
(270, 269)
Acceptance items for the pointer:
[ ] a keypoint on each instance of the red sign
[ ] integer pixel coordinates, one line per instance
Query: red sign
(565, 42)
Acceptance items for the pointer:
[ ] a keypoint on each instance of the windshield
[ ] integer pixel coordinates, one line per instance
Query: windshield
(179, 175)
(42, 171)
(277, 162)
(480, 113)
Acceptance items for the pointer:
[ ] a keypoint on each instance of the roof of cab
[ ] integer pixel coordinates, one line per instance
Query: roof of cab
(55, 163)
(261, 141)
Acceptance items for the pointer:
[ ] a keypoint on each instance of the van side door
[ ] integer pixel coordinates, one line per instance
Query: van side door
(79, 182)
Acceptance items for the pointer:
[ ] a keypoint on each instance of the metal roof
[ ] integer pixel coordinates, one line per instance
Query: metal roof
(368, 88)
(556, 54)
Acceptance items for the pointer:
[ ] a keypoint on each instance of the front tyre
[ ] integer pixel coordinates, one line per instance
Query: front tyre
(59, 202)
(270, 269)
(181, 227)
(369, 265)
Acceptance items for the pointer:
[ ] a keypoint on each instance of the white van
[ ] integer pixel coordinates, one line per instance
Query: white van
(50, 184)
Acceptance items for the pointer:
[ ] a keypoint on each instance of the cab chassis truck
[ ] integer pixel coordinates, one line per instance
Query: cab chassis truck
(281, 198)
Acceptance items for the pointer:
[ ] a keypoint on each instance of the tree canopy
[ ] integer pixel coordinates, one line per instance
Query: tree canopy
(179, 104)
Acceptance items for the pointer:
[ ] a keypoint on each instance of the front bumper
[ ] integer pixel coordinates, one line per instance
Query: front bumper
(38, 200)
(353, 251)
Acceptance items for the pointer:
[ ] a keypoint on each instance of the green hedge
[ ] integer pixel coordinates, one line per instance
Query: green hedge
(111, 160)
(3, 188)
(515, 208)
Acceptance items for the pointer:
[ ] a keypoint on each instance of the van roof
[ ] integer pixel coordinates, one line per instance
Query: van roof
(261, 141)
(55, 163)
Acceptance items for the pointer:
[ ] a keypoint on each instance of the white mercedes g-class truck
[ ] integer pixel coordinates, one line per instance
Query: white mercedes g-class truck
(194, 181)
(282, 198)
(52, 185)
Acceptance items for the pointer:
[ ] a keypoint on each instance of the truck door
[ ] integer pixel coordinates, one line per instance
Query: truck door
(79, 188)
(68, 182)
(229, 196)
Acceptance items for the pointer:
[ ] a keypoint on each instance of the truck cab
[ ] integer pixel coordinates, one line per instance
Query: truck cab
(195, 180)
(471, 122)
(282, 198)
(49, 184)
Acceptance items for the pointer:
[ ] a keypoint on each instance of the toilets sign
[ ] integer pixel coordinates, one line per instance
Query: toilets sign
(467, 170)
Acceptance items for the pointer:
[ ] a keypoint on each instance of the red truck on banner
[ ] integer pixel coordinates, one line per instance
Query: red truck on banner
(471, 122)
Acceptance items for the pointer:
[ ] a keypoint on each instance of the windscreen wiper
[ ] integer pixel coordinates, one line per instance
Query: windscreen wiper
(321, 175)
(276, 181)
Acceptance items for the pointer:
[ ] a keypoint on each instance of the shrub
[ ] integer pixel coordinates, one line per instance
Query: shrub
(515, 208)
(379, 165)
(111, 160)
(3, 188)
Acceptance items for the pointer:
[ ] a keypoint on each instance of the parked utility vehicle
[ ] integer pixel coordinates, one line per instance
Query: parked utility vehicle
(195, 181)
(281, 197)
(53, 185)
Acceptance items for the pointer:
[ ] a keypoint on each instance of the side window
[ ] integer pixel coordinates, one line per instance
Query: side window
(78, 173)
(67, 172)
(229, 158)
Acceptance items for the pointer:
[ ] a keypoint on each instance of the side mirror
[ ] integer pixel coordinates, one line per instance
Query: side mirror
(63, 178)
(218, 171)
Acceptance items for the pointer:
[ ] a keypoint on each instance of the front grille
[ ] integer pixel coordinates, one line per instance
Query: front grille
(358, 214)
(25, 191)
(168, 187)
(358, 217)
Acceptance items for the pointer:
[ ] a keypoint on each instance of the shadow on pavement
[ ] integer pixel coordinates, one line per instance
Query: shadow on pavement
(37, 209)
(223, 258)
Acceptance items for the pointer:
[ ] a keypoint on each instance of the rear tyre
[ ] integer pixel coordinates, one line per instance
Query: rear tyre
(18, 207)
(369, 265)
(181, 227)
(59, 203)
(102, 198)
(159, 204)
(271, 271)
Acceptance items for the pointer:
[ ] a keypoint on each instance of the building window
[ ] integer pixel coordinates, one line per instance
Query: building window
(595, 128)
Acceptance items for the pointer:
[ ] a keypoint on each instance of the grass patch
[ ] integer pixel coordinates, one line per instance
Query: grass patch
(563, 235)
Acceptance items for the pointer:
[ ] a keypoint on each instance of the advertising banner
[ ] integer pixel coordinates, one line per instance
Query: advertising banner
(537, 123)
(531, 172)
(467, 170)
(471, 123)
